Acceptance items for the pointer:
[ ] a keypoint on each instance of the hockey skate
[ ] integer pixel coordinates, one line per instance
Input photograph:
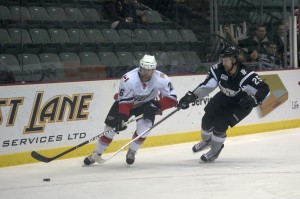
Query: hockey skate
(89, 160)
(211, 155)
(201, 146)
(130, 156)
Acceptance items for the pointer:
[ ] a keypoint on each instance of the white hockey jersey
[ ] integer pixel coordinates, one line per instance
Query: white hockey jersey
(133, 90)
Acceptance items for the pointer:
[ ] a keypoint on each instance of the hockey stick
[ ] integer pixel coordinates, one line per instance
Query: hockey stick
(100, 160)
(45, 159)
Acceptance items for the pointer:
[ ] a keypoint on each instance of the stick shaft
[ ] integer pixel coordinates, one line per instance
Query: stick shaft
(101, 160)
(45, 159)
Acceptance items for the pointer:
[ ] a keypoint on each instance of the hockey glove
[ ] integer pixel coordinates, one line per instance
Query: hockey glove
(120, 119)
(248, 101)
(150, 110)
(186, 100)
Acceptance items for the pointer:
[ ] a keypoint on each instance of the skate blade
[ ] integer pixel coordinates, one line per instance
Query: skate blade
(128, 165)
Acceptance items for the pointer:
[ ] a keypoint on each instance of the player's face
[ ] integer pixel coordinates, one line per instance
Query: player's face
(227, 63)
(146, 74)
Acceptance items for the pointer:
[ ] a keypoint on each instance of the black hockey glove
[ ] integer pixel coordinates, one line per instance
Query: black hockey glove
(248, 101)
(120, 119)
(150, 110)
(186, 100)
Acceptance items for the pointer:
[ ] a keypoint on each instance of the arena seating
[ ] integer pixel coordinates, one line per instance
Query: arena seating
(55, 40)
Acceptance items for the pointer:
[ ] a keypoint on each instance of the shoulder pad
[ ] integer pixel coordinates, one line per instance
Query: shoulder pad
(215, 66)
(163, 75)
(245, 70)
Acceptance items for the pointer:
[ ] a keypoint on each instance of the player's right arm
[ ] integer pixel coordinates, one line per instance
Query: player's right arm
(125, 95)
(208, 85)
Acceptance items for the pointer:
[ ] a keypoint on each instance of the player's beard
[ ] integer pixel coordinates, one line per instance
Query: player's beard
(145, 78)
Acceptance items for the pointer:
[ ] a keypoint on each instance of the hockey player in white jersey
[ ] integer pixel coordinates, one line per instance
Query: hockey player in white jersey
(241, 90)
(137, 93)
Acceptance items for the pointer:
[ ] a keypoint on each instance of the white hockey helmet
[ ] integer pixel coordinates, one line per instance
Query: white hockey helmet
(148, 62)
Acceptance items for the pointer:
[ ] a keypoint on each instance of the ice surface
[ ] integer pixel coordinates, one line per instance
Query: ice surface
(260, 166)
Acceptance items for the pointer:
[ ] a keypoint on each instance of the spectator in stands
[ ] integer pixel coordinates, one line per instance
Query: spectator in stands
(129, 16)
(109, 10)
(270, 59)
(279, 36)
(267, 60)
(253, 55)
(228, 35)
(252, 58)
(167, 8)
(259, 41)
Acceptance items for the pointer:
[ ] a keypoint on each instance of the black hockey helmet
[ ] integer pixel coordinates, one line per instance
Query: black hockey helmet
(229, 51)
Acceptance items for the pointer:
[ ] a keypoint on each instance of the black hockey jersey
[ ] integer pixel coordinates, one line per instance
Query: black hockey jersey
(245, 81)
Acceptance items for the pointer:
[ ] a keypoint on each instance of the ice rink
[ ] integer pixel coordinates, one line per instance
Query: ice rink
(260, 166)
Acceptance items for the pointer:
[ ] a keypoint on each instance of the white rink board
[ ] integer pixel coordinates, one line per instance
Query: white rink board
(97, 98)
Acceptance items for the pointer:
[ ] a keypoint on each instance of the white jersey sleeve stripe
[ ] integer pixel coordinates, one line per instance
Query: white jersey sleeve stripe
(213, 73)
(246, 77)
(127, 100)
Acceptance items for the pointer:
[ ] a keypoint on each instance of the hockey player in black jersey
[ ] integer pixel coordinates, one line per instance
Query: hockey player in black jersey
(241, 90)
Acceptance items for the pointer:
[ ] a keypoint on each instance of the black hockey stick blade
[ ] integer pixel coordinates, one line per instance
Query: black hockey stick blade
(41, 158)
(45, 159)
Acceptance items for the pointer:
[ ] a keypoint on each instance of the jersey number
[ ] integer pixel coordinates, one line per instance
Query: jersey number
(121, 92)
(256, 80)
(170, 86)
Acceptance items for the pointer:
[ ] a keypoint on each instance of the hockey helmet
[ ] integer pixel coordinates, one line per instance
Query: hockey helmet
(148, 62)
(230, 51)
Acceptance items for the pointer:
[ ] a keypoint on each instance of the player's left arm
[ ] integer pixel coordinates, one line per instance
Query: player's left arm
(255, 86)
(169, 97)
